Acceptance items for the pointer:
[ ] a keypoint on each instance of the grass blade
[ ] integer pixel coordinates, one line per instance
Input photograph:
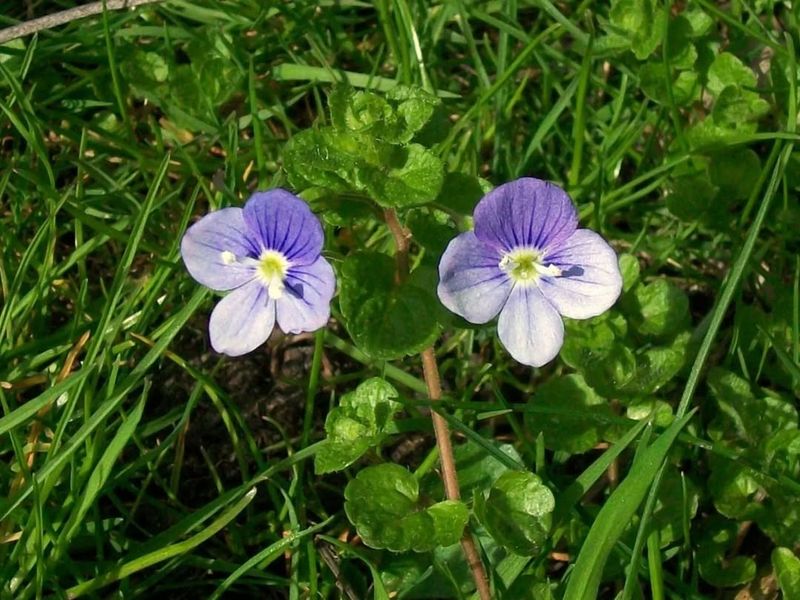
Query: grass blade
(615, 515)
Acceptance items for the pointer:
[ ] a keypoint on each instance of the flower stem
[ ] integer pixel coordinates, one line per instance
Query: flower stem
(401, 237)
(442, 431)
(449, 475)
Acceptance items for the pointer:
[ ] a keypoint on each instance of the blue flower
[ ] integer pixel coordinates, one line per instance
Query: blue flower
(527, 261)
(268, 256)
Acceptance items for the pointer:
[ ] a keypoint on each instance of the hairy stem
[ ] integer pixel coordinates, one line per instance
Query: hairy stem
(449, 475)
(442, 431)
(401, 238)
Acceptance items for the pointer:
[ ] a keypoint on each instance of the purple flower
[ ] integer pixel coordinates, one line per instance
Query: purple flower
(268, 256)
(528, 262)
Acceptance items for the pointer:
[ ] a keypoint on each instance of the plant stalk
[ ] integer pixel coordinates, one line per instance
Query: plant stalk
(449, 475)
(442, 431)
(401, 237)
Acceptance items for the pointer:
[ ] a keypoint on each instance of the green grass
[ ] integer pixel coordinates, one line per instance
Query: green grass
(153, 467)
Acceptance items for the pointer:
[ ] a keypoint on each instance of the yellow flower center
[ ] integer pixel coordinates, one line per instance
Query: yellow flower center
(272, 269)
(526, 265)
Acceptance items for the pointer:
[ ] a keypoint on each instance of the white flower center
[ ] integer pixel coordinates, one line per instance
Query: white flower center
(526, 265)
(272, 269)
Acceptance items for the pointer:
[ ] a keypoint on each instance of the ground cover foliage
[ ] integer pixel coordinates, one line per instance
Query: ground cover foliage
(658, 456)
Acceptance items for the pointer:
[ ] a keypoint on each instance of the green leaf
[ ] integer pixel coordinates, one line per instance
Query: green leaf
(737, 109)
(571, 415)
(444, 573)
(461, 192)
(430, 232)
(787, 570)
(319, 157)
(708, 134)
(517, 512)
(713, 563)
(780, 519)
(782, 452)
(682, 53)
(678, 500)
(384, 505)
(356, 425)
(614, 372)
(663, 309)
(656, 410)
(386, 319)
(642, 21)
(629, 267)
(403, 176)
(477, 468)
(735, 490)
(699, 20)
(366, 150)
(728, 70)
(694, 198)
(743, 417)
(615, 515)
(685, 85)
(656, 366)
(339, 210)
(591, 340)
(735, 172)
(394, 118)
(596, 348)
(414, 106)
(358, 111)
(144, 73)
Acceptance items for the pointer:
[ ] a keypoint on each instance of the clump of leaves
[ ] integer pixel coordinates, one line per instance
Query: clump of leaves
(372, 150)
(763, 430)
(629, 354)
(368, 148)
(356, 425)
(189, 91)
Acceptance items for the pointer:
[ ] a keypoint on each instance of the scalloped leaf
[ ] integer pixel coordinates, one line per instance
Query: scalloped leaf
(384, 505)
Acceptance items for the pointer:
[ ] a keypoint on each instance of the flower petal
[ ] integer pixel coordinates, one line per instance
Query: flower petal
(204, 243)
(305, 304)
(281, 221)
(590, 280)
(527, 212)
(529, 327)
(242, 320)
(471, 283)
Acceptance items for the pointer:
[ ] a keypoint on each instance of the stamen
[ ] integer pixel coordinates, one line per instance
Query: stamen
(526, 266)
(272, 269)
(228, 257)
(551, 270)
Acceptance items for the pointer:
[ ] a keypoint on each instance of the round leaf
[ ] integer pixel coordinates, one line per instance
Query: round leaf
(517, 512)
(664, 309)
(386, 319)
(787, 569)
(383, 504)
(735, 172)
(404, 176)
